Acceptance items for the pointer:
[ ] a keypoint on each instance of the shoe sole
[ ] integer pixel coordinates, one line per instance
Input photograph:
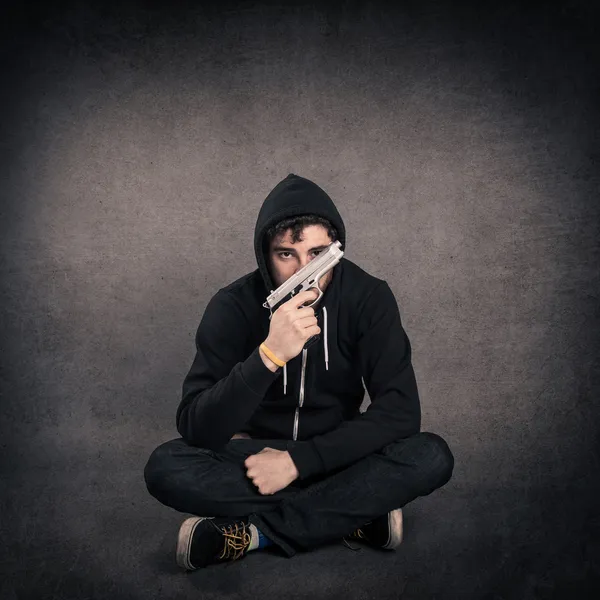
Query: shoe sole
(396, 529)
(184, 541)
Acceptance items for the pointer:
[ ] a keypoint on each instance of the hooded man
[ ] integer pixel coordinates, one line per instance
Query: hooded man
(274, 449)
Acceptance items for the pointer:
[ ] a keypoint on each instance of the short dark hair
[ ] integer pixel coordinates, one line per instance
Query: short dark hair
(297, 225)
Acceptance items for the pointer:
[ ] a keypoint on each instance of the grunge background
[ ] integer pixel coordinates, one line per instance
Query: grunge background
(460, 144)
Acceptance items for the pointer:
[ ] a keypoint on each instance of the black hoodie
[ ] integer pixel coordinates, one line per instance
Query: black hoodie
(314, 400)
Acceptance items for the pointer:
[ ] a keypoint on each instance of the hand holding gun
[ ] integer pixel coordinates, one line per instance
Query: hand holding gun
(293, 322)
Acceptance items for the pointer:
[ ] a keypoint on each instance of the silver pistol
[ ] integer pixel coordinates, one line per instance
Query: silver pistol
(306, 278)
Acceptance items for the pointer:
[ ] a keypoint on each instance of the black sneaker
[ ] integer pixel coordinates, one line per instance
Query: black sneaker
(203, 541)
(383, 532)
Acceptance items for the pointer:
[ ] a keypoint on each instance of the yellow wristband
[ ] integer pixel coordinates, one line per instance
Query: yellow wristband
(278, 362)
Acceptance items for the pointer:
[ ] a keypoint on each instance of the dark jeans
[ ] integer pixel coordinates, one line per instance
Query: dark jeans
(306, 513)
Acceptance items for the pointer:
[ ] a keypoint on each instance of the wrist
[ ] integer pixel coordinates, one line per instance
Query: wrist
(293, 468)
(267, 361)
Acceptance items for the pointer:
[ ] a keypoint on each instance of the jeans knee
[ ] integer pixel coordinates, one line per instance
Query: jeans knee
(156, 469)
(440, 460)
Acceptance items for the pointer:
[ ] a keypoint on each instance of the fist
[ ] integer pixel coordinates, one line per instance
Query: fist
(271, 470)
(292, 325)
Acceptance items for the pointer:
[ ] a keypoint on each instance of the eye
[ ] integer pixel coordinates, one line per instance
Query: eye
(281, 254)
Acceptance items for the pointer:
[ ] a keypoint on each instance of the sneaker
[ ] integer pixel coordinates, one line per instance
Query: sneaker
(203, 541)
(383, 532)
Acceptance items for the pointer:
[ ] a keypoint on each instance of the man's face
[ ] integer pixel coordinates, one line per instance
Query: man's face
(286, 258)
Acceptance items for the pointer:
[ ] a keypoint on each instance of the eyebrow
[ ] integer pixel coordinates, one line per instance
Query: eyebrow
(292, 250)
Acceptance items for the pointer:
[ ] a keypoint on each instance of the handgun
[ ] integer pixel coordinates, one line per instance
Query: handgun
(306, 278)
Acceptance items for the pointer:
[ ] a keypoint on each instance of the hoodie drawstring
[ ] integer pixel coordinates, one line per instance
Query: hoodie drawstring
(326, 346)
(325, 341)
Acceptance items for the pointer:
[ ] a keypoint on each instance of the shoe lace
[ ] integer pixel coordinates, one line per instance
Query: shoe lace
(237, 540)
(359, 533)
(356, 534)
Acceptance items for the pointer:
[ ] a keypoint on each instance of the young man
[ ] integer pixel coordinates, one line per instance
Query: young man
(273, 448)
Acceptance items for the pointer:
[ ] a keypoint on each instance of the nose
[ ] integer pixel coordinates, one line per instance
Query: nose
(304, 262)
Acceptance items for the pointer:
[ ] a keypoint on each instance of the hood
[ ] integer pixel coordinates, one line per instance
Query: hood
(292, 196)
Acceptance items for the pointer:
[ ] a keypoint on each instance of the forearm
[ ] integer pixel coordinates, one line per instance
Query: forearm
(395, 414)
(350, 442)
(209, 417)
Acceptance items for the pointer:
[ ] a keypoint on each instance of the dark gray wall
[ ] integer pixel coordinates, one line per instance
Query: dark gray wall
(461, 148)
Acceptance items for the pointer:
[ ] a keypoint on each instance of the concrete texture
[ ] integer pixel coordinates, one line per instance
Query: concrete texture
(460, 146)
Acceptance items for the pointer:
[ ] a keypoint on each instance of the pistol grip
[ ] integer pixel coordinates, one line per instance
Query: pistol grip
(312, 340)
